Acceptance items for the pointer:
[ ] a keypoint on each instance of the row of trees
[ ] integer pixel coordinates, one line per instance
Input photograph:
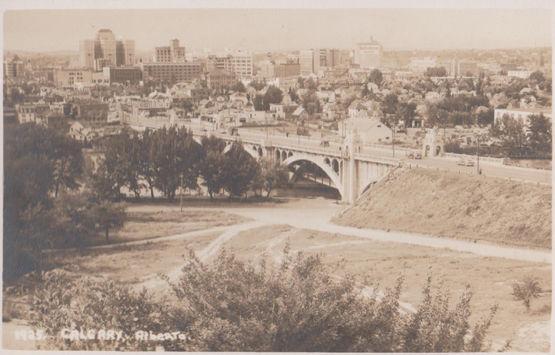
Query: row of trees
(460, 110)
(169, 158)
(513, 139)
(42, 166)
(524, 141)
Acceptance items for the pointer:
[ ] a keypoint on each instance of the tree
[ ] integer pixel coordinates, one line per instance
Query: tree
(390, 104)
(311, 84)
(62, 152)
(272, 176)
(28, 181)
(211, 168)
(376, 77)
(258, 103)
(311, 103)
(272, 96)
(73, 226)
(436, 72)
(176, 160)
(406, 112)
(486, 117)
(512, 136)
(539, 135)
(68, 162)
(537, 77)
(239, 169)
(115, 170)
(106, 216)
(257, 85)
(104, 184)
(239, 87)
(146, 162)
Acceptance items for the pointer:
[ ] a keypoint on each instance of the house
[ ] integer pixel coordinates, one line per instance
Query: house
(81, 131)
(326, 96)
(32, 112)
(299, 114)
(367, 130)
(238, 99)
(277, 111)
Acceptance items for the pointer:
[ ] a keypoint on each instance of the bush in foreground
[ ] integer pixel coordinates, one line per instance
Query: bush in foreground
(526, 290)
(233, 306)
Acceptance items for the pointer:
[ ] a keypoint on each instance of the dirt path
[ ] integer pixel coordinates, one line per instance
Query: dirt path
(156, 282)
(316, 215)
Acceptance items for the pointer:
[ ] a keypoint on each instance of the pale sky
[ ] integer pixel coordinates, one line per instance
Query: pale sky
(282, 29)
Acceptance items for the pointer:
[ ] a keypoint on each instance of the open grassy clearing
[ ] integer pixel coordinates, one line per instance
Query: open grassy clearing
(490, 278)
(151, 221)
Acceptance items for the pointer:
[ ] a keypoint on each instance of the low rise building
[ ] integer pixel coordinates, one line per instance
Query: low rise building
(123, 75)
(90, 111)
(220, 79)
(172, 72)
(287, 70)
(35, 113)
(78, 78)
(522, 74)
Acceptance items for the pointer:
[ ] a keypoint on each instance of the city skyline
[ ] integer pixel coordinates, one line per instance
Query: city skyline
(460, 28)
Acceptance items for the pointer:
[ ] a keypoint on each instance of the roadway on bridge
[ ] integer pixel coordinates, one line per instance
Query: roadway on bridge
(375, 151)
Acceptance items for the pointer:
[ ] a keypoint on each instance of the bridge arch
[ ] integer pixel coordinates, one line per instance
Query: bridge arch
(335, 165)
(334, 177)
(252, 152)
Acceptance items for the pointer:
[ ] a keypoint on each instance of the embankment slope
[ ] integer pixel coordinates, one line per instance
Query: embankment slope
(456, 205)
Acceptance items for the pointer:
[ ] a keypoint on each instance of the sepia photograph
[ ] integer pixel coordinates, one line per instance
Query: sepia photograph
(277, 176)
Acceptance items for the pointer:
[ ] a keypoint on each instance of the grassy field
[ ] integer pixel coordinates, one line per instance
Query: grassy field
(456, 206)
(153, 221)
(490, 279)
(372, 262)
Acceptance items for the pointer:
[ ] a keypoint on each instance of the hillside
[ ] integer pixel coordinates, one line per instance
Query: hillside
(456, 206)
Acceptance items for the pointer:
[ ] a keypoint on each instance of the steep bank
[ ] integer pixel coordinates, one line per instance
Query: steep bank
(457, 206)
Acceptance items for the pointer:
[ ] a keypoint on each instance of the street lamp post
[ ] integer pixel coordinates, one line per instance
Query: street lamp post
(478, 154)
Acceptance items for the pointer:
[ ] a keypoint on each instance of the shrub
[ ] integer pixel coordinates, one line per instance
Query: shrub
(64, 302)
(230, 305)
(526, 289)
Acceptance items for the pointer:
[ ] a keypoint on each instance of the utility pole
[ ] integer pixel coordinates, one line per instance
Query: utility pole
(393, 145)
(181, 192)
(478, 154)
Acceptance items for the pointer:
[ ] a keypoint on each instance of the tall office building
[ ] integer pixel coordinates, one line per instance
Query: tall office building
(170, 54)
(13, 68)
(266, 69)
(238, 63)
(241, 62)
(106, 51)
(329, 57)
(289, 69)
(368, 54)
(309, 63)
